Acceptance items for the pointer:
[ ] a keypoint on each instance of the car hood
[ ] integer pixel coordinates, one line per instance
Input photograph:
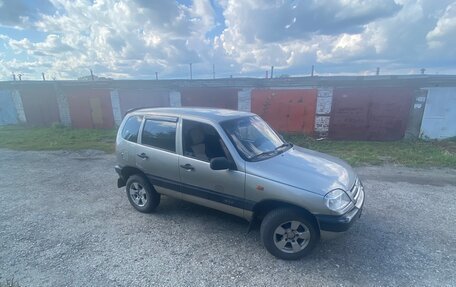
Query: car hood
(305, 169)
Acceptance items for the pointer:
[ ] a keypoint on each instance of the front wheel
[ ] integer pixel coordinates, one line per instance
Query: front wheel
(288, 233)
(141, 194)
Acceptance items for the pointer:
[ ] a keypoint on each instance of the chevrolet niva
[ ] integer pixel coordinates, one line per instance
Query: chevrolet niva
(234, 162)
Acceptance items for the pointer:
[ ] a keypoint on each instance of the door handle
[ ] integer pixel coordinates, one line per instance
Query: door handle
(142, 155)
(187, 167)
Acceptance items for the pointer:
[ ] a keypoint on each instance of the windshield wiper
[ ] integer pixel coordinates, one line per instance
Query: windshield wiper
(284, 145)
(274, 151)
(263, 153)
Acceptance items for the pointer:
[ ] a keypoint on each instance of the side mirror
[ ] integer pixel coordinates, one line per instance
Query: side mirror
(221, 163)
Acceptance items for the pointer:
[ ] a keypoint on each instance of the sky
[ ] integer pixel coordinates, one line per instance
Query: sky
(135, 39)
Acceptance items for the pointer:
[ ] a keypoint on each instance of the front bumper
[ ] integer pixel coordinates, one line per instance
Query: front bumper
(343, 222)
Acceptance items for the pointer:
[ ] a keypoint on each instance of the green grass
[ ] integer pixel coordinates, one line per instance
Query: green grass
(413, 153)
(56, 138)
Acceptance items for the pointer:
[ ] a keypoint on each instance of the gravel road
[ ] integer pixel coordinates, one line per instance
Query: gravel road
(63, 222)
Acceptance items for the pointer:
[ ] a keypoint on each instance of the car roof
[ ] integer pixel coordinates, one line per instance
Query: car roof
(212, 114)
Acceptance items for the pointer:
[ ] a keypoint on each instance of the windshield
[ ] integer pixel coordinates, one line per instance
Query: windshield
(253, 138)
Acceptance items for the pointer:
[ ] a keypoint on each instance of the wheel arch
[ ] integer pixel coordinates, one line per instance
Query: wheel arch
(127, 171)
(262, 208)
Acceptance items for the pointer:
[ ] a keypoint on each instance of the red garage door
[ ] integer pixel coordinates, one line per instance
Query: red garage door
(370, 113)
(40, 105)
(90, 108)
(286, 110)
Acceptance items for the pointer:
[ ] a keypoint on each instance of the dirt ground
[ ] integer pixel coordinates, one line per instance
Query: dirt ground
(63, 222)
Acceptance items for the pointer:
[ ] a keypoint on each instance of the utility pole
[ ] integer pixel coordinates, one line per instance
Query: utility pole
(91, 75)
(156, 75)
(378, 71)
(213, 71)
(191, 72)
(42, 75)
(313, 71)
(272, 72)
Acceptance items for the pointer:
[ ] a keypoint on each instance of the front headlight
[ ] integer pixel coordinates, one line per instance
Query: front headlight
(336, 199)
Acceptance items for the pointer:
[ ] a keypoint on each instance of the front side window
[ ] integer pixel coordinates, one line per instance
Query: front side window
(253, 138)
(202, 141)
(160, 134)
(131, 128)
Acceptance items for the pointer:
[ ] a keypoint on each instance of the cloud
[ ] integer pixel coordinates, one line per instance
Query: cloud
(122, 37)
(290, 33)
(51, 46)
(337, 35)
(443, 36)
(136, 38)
(20, 13)
(274, 21)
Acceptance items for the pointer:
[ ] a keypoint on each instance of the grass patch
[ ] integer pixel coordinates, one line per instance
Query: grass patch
(56, 138)
(413, 153)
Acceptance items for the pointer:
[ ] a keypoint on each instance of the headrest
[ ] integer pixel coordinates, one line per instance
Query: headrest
(197, 135)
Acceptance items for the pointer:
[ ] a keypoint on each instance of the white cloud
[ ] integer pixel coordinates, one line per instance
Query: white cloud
(136, 38)
(443, 36)
(121, 37)
(292, 34)
(345, 35)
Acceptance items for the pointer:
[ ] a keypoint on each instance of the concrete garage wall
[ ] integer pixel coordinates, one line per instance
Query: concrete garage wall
(347, 108)
(19, 106)
(210, 97)
(8, 114)
(323, 112)
(439, 119)
(134, 98)
(64, 108)
(416, 114)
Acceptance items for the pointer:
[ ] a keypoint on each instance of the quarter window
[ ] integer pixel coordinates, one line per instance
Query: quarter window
(160, 134)
(131, 128)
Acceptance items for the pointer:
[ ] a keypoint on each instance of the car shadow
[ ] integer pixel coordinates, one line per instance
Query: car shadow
(373, 248)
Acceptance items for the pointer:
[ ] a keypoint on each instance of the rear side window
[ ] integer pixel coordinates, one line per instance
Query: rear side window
(160, 134)
(130, 130)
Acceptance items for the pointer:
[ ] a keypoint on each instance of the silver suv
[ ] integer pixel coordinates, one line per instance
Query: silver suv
(234, 162)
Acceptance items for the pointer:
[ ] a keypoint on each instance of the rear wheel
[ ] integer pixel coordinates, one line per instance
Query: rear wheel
(141, 194)
(288, 233)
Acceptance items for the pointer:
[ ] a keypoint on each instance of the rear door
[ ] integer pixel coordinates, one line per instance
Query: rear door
(219, 189)
(157, 157)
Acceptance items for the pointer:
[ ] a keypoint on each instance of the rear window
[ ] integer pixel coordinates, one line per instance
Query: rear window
(160, 134)
(130, 130)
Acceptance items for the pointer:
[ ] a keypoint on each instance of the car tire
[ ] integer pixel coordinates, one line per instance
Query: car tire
(142, 194)
(288, 233)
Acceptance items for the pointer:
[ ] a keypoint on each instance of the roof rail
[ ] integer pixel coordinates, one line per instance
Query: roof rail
(140, 108)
